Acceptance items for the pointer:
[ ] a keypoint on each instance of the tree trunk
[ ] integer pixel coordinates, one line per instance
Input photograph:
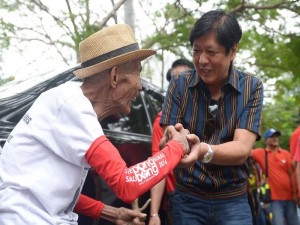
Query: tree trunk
(129, 15)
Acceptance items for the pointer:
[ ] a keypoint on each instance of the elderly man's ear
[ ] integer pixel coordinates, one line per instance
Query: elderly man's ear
(114, 77)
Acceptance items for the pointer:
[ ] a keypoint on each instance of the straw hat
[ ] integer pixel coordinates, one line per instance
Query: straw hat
(109, 47)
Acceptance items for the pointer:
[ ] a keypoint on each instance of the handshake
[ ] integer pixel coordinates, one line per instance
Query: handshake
(193, 149)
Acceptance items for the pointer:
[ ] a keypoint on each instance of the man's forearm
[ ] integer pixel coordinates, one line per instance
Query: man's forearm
(234, 152)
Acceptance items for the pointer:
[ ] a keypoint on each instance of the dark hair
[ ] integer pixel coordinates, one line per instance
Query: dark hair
(179, 62)
(182, 62)
(169, 75)
(225, 26)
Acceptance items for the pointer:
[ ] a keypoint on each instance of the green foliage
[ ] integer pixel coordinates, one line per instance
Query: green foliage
(3, 81)
(74, 21)
(5, 33)
(274, 50)
(9, 5)
(282, 116)
(175, 32)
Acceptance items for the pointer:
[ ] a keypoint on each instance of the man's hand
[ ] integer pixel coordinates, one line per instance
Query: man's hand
(190, 159)
(129, 217)
(123, 216)
(196, 151)
(135, 206)
(177, 133)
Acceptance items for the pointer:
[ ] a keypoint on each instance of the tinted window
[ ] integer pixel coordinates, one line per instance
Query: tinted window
(153, 101)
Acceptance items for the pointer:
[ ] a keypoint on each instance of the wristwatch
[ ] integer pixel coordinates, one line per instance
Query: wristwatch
(208, 155)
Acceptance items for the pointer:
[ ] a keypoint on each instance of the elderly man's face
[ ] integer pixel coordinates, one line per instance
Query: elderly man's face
(129, 86)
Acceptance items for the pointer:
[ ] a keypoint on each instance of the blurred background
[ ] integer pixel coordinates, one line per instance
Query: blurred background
(40, 36)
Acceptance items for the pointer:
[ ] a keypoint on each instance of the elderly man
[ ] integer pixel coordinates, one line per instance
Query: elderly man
(44, 163)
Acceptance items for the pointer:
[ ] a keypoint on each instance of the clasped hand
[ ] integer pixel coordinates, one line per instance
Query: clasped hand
(189, 142)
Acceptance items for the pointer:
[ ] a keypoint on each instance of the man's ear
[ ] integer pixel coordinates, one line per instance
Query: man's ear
(114, 77)
(233, 52)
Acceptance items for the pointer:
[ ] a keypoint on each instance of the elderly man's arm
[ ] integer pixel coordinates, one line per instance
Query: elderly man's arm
(97, 209)
(130, 183)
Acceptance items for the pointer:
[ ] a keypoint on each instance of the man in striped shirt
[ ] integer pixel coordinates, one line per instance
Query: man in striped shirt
(223, 107)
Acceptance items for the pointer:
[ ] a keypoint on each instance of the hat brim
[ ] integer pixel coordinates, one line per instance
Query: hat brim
(271, 134)
(140, 54)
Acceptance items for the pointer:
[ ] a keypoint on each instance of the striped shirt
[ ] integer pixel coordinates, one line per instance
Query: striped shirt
(240, 106)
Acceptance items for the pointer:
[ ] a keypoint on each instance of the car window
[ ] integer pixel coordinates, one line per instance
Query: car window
(153, 102)
(135, 122)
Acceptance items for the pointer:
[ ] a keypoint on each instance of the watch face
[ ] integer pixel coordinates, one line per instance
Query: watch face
(208, 156)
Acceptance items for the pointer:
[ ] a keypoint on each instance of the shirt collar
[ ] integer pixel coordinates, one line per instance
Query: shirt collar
(278, 150)
(233, 80)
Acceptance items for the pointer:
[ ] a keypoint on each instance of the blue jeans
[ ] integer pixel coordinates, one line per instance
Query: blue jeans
(191, 210)
(284, 211)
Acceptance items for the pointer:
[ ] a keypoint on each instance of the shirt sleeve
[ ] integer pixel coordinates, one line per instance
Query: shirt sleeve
(171, 113)
(297, 152)
(89, 207)
(130, 183)
(156, 134)
(251, 116)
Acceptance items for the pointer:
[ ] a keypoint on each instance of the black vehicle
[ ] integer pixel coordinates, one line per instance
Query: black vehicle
(131, 134)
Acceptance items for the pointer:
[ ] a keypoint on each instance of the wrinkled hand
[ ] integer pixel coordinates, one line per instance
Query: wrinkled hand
(129, 217)
(195, 154)
(179, 134)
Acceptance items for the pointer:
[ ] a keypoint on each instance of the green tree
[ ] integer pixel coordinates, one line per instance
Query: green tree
(60, 27)
(282, 115)
(3, 81)
(273, 49)
(268, 47)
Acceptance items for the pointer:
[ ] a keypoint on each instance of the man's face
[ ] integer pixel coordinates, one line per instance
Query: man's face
(273, 141)
(210, 59)
(128, 87)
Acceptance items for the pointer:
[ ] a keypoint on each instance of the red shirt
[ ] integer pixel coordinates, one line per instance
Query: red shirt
(156, 137)
(297, 152)
(294, 139)
(279, 167)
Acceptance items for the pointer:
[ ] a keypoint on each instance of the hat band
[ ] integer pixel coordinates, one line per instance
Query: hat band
(109, 55)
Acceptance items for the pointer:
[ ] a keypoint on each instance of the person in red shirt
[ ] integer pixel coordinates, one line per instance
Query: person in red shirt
(294, 139)
(294, 145)
(280, 178)
(167, 185)
(295, 148)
